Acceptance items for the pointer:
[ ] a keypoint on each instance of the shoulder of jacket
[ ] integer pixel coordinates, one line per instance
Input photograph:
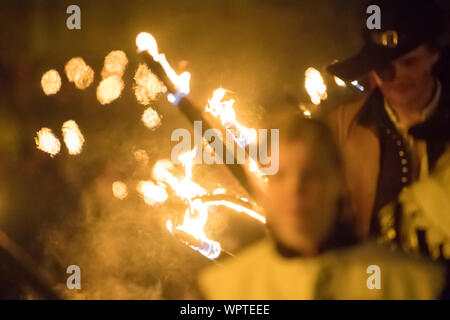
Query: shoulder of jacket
(342, 119)
(346, 114)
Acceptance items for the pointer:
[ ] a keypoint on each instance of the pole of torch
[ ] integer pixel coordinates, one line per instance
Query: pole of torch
(194, 114)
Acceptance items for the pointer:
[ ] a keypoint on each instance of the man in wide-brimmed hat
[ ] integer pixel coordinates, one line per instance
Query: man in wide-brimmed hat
(396, 136)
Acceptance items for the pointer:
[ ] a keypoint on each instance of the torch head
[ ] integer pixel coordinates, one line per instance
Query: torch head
(146, 42)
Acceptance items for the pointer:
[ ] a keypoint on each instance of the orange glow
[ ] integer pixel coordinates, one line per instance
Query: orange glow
(51, 82)
(151, 119)
(47, 142)
(115, 64)
(109, 89)
(78, 72)
(146, 42)
(73, 138)
(315, 86)
(147, 87)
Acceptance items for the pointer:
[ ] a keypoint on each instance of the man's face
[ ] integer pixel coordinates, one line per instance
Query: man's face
(404, 81)
(301, 198)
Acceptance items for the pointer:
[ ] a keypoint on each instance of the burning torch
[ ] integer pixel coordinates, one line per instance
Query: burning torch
(177, 91)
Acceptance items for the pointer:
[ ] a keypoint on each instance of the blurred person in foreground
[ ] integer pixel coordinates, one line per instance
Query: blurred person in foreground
(312, 251)
(395, 141)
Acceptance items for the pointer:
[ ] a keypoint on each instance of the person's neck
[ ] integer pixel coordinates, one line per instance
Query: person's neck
(411, 114)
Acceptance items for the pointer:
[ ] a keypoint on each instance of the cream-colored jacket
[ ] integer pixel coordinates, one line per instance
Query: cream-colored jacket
(259, 272)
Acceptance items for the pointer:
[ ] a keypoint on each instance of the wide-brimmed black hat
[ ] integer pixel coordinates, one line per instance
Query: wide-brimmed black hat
(405, 25)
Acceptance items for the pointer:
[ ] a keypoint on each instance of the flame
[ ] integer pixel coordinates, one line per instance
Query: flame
(115, 63)
(153, 194)
(148, 86)
(315, 86)
(120, 190)
(185, 188)
(256, 170)
(85, 79)
(109, 89)
(74, 67)
(339, 82)
(51, 82)
(223, 110)
(237, 208)
(151, 118)
(73, 138)
(196, 215)
(146, 42)
(47, 142)
(358, 86)
(78, 72)
(219, 191)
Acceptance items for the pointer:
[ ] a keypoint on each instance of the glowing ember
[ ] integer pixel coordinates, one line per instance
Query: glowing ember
(223, 110)
(115, 63)
(74, 67)
(315, 86)
(120, 190)
(339, 82)
(146, 42)
(51, 82)
(47, 142)
(162, 172)
(148, 86)
(141, 156)
(84, 79)
(153, 194)
(73, 138)
(78, 72)
(194, 226)
(151, 119)
(109, 89)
